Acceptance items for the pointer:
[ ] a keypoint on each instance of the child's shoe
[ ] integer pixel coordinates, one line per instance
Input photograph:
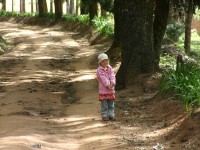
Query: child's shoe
(105, 118)
(112, 118)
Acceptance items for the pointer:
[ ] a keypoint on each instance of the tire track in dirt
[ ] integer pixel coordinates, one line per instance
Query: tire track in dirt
(50, 70)
(34, 77)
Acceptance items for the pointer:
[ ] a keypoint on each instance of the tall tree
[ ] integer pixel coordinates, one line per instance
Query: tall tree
(41, 8)
(37, 7)
(51, 6)
(137, 40)
(12, 5)
(45, 6)
(188, 25)
(32, 6)
(93, 7)
(3, 4)
(22, 5)
(72, 9)
(159, 27)
(58, 9)
(67, 6)
(78, 7)
(115, 48)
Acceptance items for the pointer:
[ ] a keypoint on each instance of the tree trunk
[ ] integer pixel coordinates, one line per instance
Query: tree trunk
(12, 5)
(41, 8)
(37, 5)
(3, 4)
(51, 6)
(78, 7)
(22, 5)
(31, 6)
(58, 9)
(92, 10)
(188, 24)
(45, 6)
(115, 49)
(67, 6)
(159, 28)
(71, 6)
(137, 40)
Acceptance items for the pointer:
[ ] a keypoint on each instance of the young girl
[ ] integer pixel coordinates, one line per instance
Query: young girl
(106, 78)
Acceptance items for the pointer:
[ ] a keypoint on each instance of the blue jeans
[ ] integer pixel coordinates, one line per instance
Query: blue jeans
(107, 108)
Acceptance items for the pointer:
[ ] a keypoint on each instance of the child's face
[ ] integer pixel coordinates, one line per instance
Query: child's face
(104, 63)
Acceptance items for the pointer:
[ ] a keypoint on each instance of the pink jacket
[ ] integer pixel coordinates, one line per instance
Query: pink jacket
(105, 78)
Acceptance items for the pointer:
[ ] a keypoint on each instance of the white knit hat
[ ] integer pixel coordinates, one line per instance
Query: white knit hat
(102, 56)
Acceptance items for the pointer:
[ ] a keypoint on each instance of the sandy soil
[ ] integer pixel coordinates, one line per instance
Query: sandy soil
(48, 99)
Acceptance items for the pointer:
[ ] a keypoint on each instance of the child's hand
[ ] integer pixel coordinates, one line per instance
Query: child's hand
(110, 87)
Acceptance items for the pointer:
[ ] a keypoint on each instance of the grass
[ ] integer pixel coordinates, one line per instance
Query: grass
(185, 82)
(195, 45)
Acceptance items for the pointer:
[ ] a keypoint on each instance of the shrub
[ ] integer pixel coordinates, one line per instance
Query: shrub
(185, 82)
(103, 26)
(174, 31)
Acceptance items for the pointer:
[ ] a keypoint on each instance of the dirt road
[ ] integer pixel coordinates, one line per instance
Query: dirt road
(43, 74)
(48, 99)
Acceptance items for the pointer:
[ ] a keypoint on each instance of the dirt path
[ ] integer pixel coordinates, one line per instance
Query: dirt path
(44, 72)
(48, 99)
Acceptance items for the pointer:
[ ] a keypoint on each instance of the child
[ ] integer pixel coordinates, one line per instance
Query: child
(106, 78)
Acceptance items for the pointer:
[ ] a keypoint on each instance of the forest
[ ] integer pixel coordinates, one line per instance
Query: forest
(48, 59)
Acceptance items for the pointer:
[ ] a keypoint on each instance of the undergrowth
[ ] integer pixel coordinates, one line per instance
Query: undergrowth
(185, 81)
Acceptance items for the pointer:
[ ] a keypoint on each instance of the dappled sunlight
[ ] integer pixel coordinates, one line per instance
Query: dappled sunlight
(20, 33)
(83, 75)
(72, 119)
(54, 33)
(84, 54)
(31, 140)
(88, 127)
(35, 105)
(163, 131)
(98, 138)
(70, 43)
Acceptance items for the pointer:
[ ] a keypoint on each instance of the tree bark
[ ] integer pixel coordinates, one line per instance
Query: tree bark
(71, 9)
(115, 49)
(78, 7)
(45, 6)
(22, 5)
(58, 9)
(31, 6)
(37, 5)
(188, 24)
(137, 40)
(41, 8)
(12, 5)
(3, 4)
(51, 6)
(67, 6)
(92, 10)
(159, 28)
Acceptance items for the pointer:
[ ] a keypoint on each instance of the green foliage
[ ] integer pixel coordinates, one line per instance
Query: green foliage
(84, 19)
(185, 82)
(174, 30)
(103, 25)
(15, 14)
(69, 18)
(197, 14)
(195, 45)
(167, 61)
